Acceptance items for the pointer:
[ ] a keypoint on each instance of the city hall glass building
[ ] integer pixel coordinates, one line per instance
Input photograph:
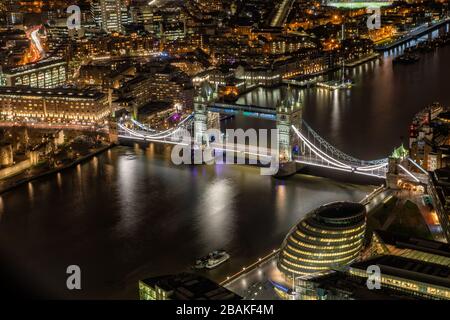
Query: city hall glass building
(328, 237)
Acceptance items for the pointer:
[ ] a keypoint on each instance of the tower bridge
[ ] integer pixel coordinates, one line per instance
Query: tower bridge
(297, 143)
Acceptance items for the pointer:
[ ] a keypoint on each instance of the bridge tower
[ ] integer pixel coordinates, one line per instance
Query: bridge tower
(203, 119)
(289, 113)
(201, 112)
(113, 132)
(392, 175)
(200, 118)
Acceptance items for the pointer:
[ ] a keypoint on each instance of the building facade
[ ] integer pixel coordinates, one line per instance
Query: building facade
(49, 73)
(53, 107)
(110, 15)
(417, 278)
(429, 141)
(439, 189)
(183, 286)
(329, 237)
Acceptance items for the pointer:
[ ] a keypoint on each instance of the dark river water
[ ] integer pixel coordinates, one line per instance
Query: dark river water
(130, 213)
(373, 117)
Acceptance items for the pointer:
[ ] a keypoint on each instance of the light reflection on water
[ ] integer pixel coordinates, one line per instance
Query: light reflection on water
(30, 192)
(128, 188)
(372, 118)
(130, 215)
(59, 180)
(216, 213)
(1, 208)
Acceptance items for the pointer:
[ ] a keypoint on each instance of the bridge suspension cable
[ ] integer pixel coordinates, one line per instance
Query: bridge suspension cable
(158, 135)
(321, 153)
(338, 160)
(341, 155)
(143, 126)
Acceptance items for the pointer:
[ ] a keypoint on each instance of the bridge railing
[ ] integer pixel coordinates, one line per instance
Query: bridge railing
(314, 150)
(317, 151)
(323, 144)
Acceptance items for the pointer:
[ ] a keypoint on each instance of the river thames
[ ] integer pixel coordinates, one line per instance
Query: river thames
(130, 213)
(373, 117)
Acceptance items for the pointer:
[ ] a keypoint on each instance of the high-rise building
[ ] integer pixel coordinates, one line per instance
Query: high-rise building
(141, 12)
(110, 15)
(96, 12)
(13, 13)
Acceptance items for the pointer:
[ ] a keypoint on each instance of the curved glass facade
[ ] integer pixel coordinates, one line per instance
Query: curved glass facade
(330, 236)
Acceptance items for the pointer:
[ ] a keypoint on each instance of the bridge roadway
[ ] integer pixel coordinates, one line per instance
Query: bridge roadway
(246, 110)
(378, 172)
(262, 154)
(313, 149)
(413, 34)
(282, 13)
(321, 153)
(248, 150)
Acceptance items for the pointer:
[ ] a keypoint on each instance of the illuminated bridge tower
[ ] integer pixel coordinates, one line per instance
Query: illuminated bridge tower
(204, 119)
(289, 113)
(395, 160)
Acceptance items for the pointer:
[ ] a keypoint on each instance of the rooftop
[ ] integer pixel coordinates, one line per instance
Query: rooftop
(187, 286)
(444, 115)
(40, 64)
(410, 242)
(442, 176)
(340, 210)
(355, 287)
(405, 268)
(154, 106)
(55, 92)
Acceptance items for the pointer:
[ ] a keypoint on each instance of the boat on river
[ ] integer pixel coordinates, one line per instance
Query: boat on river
(212, 260)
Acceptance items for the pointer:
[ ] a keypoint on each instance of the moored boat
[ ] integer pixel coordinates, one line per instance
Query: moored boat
(212, 260)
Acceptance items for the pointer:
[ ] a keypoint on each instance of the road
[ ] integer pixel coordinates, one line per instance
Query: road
(255, 284)
(412, 34)
(282, 13)
(428, 214)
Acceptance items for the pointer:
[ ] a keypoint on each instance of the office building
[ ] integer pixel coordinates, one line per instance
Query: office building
(184, 286)
(48, 73)
(429, 141)
(338, 285)
(53, 107)
(439, 189)
(331, 236)
(167, 85)
(415, 277)
(386, 243)
(110, 15)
